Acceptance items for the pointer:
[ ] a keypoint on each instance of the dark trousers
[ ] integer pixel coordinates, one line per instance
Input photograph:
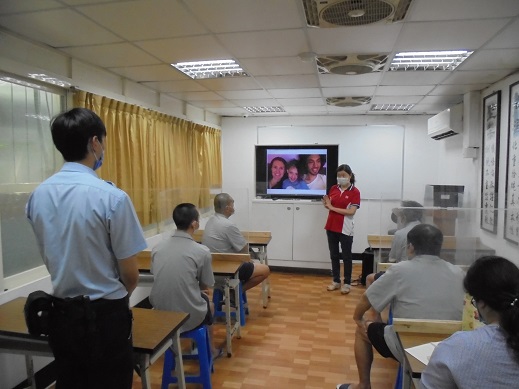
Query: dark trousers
(92, 344)
(334, 240)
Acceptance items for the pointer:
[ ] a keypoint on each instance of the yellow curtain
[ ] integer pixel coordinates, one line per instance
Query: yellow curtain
(159, 160)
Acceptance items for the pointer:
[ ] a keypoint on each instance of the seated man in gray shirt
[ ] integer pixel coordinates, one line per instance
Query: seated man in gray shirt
(223, 236)
(182, 273)
(424, 287)
(409, 214)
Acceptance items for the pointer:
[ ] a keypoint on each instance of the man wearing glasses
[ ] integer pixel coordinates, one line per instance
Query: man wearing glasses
(424, 287)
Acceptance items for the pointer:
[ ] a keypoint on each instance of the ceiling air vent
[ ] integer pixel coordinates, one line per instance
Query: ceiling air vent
(348, 101)
(351, 64)
(337, 13)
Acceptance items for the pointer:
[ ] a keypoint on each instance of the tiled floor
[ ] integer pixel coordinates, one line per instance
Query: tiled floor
(304, 339)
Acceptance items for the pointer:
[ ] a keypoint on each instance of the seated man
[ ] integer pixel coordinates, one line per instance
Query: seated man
(182, 273)
(408, 216)
(223, 236)
(424, 287)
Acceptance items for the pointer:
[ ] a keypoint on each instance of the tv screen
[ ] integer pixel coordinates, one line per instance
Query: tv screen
(295, 171)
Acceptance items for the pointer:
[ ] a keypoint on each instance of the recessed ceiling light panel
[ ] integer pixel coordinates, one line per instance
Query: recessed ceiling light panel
(429, 60)
(391, 107)
(211, 69)
(263, 109)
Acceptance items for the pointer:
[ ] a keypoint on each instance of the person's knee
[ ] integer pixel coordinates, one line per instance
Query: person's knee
(261, 270)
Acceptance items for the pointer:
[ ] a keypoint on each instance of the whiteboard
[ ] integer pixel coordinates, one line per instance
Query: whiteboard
(374, 153)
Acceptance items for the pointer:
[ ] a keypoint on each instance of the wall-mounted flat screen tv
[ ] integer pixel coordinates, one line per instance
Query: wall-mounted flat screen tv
(295, 171)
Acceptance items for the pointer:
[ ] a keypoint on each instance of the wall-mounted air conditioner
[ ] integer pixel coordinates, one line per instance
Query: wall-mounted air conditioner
(447, 123)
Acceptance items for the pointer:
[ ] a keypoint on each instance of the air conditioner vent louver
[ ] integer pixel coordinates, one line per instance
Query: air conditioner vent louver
(348, 101)
(351, 64)
(336, 13)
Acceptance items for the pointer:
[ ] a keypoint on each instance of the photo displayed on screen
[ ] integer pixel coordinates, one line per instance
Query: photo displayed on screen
(296, 171)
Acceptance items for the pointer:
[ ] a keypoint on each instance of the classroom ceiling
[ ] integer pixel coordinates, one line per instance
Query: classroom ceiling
(270, 39)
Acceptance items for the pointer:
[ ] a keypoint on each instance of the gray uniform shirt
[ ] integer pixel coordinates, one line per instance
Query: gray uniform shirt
(222, 236)
(398, 251)
(425, 287)
(181, 267)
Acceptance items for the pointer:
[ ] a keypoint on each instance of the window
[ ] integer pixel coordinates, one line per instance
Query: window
(27, 157)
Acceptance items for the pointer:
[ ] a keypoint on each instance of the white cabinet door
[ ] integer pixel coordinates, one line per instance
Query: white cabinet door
(278, 219)
(309, 240)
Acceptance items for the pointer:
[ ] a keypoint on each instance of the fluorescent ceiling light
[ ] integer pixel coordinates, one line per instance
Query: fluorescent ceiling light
(210, 69)
(264, 109)
(391, 107)
(50, 80)
(428, 60)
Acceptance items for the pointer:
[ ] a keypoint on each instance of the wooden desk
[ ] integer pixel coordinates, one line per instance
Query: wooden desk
(227, 265)
(153, 332)
(413, 367)
(224, 265)
(258, 240)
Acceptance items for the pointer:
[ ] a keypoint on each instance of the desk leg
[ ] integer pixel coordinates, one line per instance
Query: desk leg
(179, 366)
(30, 371)
(228, 323)
(265, 285)
(144, 363)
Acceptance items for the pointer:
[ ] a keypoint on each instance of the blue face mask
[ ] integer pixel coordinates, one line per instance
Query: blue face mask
(99, 161)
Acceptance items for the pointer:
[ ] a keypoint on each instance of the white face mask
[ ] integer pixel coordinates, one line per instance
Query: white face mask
(343, 181)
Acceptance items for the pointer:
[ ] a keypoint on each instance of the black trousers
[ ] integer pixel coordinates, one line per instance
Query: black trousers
(92, 343)
(345, 241)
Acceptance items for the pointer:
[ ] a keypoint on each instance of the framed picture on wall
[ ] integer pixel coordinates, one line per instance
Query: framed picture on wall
(490, 161)
(512, 169)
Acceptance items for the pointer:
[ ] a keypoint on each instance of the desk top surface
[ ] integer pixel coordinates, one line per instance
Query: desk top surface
(411, 339)
(151, 328)
(449, 243)
(221, 267)
(254, 238)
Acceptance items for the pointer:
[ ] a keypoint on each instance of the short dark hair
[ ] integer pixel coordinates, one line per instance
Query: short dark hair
(72, 130)
(347, 169)
(297, 164)
(495, 280)
(184, 214)
(426, 239)
(410, 212)
(221, 200)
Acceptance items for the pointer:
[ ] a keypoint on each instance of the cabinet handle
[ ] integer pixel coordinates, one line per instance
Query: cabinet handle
(297, 208)
(289, 208)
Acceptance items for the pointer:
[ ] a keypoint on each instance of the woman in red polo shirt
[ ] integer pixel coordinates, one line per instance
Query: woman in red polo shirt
(342, 202)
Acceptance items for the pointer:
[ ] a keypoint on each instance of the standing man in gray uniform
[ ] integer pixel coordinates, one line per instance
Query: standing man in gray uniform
(223, 236)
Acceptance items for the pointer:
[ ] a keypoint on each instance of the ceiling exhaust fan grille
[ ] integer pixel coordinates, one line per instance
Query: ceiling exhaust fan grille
(344, 102)
(351, 64)
(336, 13)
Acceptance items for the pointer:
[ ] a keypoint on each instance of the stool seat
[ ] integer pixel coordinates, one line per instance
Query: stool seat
(218, 300)
(205, 360)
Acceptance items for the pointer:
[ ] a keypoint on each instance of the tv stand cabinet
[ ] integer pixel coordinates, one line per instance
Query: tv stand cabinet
(297, 227)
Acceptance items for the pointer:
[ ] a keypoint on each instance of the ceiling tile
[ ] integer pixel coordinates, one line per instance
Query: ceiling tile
(197, 96)
(114, 55)
(476, 76)
(214, 104)
(349, 91)
(376, 38)
(295, 93)
(195, 48)
(245, 94)
(246, 15)
(145, 19)
(451, 35)
(333, 80)
(150, 73)
(256, 103)
(260, 44)
(457, 89)
(14, 6)
(238, 111)
(414, 78)
(506, 39)
(278, 66)
(283, 82)
(492, 59)
(462, 9)
(396, 99)
(316, 101)
(59, 28)
(230, 83)
(448, 100)
(404, 90)
(176, 86)
(306, 110)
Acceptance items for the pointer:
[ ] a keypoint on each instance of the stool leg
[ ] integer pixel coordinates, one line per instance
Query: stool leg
(167, 369)
(205, 359)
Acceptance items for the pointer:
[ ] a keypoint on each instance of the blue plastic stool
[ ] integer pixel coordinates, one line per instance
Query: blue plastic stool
(204, 357)
(218, 300)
